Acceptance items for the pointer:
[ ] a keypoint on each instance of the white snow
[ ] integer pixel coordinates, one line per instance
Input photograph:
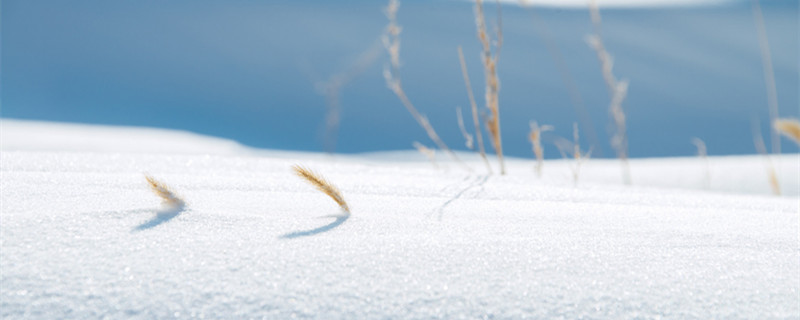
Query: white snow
(81, 237)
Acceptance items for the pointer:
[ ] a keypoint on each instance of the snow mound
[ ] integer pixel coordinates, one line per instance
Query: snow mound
(83, 237)
(49, 136)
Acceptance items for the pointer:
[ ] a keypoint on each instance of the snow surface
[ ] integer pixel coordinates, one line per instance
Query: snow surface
(81, 235)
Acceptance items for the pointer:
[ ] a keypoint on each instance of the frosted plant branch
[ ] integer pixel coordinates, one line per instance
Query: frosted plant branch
(564, 147)
(772, 175)
(492, 83)
(568, 80)
(618, 90)
(474, 106)
(535, 138)
(428, 152)
(703, 155)
(332, 87)
(769, 74)
(391, 41)
(468, 141)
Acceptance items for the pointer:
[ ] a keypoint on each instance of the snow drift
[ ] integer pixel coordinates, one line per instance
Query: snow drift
(421, 243)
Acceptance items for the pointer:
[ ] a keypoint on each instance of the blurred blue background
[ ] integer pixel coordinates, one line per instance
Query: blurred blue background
(254, 71)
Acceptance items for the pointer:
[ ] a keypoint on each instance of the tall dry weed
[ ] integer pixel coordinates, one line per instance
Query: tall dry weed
(617, 89)
(332, 90)
(427, 152)
(391, 41)
(475, 120)
(578, 105)
(535, 137)
(769, 74)
(573, 149)
(772, 175)
(468, 140)
(702, 153)
(489, 60)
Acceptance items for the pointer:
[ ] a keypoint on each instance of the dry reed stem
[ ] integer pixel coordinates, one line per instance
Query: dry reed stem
(563, 148)
(492, 83)
(618, 90)
(468, 141)
(428, 152)
(772, 175)
(703, 154)
(168, 197)
(322, 185)
(391, 41)
(769, 74)
(578, 105)
(474, 106)
(332, 88)
(535, 137)
(788, 127)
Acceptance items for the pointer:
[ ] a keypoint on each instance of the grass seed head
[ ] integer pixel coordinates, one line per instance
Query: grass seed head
(789, 128)
(322, 185)
(168, 197)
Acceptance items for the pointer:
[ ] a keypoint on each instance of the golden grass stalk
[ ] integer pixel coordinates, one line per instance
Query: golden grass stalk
(769, 74)
(535, 137)
(492, 83)
(168, 197)
(618, 90)
(428, 152)
(391, 41)
(703, 155)
(772, 175)
(322, 185)
(474, 106)
(788, 127)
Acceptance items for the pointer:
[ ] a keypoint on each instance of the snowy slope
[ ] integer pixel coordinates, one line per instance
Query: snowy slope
(80, 237)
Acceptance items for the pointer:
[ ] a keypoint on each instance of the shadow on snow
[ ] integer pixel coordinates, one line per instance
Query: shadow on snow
(328, 227)
(162, 216)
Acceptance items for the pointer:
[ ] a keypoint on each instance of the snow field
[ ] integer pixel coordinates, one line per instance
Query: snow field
(80, 238)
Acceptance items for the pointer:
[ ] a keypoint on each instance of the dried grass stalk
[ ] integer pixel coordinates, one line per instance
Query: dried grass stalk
(428, 152)
(789, 128)
(772, 175)
(618, 90)
(168, 197)
(769, 74)
(578, 105)
(492, 83)
(391, 41)
(468, 141)
(564, 147)
(332, 88)
(322, 185)
(474, 106)
(535, 137)
(703, 155)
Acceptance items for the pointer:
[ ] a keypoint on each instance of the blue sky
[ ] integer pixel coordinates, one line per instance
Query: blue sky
(250, 71)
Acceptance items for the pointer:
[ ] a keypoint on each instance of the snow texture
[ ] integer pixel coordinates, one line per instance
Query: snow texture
(82, 237)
